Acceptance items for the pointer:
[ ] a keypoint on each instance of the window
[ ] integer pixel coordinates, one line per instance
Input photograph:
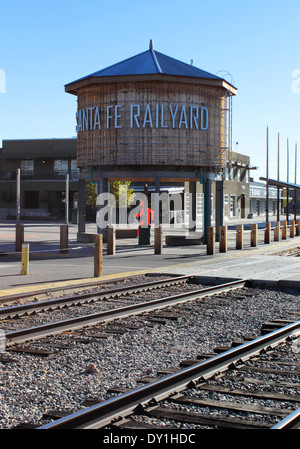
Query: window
(74, 169)
(27, 167)
(61, 166)
(226, 205)
(232, 206)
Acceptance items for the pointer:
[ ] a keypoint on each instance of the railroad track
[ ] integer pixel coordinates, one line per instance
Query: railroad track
(188, 395)
(78, 322)
(85, 297)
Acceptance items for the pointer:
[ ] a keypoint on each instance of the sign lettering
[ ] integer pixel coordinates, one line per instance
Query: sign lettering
(138, 116)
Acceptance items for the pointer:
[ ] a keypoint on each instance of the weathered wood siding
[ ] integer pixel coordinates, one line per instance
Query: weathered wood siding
(157, 142)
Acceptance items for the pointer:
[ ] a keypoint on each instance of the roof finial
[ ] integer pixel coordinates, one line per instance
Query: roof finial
(151, 45)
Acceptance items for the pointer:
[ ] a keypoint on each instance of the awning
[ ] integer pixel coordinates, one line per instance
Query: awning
(282, 184)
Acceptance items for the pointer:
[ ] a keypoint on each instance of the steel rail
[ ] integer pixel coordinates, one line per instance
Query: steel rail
(79, 322)
(19, 310)
(15, 296)
(105, 412)
(292, 421)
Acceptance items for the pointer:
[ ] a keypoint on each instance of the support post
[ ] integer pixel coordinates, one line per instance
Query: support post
(18, 197)
(19, 237)
(292, 228)
(277, 231)
(25, 259)
(267, 233)
(81, 205)
(267, 176)
(278, 189)
(111, 240)
(239, 236)
(103, 187)
(156, 205)
(297, 226)
(295, 191)
(207, 207)
(67, 198)
(98, 256)
(219, 208)
(211, 239)
(254, 234)
(192, 206)
(223, 239)
(64, 238)
(158, 237)
(287, 180)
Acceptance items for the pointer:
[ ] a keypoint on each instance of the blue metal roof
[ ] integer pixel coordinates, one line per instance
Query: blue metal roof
(152, 62)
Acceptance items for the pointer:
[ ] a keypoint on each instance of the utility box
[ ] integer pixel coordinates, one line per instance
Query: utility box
(75, 216)
(144, 235)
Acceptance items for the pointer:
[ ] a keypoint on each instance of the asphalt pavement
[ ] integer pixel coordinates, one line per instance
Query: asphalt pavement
(49, 268)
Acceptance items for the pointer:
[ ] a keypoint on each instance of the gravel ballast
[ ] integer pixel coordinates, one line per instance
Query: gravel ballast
(32, 385)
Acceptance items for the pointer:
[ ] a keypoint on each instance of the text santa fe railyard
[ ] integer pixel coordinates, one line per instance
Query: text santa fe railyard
(142, 116)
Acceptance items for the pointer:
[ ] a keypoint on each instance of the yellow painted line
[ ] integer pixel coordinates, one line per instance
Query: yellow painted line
(71, 283)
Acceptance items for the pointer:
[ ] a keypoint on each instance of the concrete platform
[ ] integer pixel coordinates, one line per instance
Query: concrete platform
(48, 268)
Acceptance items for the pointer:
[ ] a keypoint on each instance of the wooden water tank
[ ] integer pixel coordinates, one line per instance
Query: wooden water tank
(151, 111)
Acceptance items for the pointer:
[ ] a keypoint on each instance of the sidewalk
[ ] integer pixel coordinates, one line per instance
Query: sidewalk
(50, 268)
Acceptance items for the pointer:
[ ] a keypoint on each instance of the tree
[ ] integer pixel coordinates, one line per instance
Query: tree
(120, 190)
(90, 194)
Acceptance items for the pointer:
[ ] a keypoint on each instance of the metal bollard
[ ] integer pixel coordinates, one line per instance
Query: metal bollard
(98, 256)
(25, 259)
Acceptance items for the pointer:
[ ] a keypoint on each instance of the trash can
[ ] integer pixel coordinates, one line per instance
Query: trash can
(74, 216)
(144, 235)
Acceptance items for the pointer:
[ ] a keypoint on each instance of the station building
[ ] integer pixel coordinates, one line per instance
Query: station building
(44, 164)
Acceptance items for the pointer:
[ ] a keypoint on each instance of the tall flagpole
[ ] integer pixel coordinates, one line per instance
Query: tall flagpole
(267, 176)
(287, 180)
(278, 176)
(295, 190)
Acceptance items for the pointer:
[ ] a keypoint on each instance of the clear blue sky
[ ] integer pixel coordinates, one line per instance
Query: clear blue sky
(47, 44)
